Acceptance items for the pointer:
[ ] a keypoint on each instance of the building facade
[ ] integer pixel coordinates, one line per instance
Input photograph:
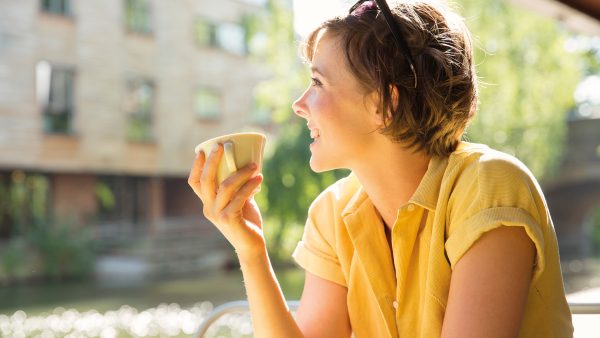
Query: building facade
(574, 196)
(105, 100)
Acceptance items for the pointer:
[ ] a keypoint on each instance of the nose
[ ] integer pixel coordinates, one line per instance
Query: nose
(299, 106)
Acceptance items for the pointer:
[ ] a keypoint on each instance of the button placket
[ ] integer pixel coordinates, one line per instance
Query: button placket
(405, 213)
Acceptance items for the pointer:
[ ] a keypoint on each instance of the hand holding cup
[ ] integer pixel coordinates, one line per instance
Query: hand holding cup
(225, 176)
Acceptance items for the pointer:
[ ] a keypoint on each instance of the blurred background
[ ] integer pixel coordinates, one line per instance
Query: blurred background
(102, 103)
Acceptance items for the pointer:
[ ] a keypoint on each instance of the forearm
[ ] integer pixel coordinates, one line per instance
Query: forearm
(270, 314)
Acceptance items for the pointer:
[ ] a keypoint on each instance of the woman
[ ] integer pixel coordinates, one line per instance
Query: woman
(428, 236)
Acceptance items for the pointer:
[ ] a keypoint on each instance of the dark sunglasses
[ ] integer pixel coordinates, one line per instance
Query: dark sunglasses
(393, 25)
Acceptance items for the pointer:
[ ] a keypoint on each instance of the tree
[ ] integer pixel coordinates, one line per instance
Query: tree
(527, 80)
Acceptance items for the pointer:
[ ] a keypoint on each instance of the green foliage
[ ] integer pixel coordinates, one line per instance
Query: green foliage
(63, 251)
(13, 258)
(17, 201)
(527, 79)
(50, 252)
(279, 52)
(595, 225)
(23, 200)
(590, 49)
(105, 196)
(38, 246)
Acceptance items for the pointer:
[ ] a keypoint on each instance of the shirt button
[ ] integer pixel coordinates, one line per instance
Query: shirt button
(411, 207)
(395, 304)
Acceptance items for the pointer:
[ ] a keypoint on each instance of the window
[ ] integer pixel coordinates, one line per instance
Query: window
(138, 16)
(207, 103)
(55, 92)
(228, 36)
(256, 37)
(232, 38)
(206, 33)
(139, 106)
(61, 7)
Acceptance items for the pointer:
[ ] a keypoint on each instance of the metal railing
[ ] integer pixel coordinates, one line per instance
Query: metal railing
(585, 308)
(241, 306)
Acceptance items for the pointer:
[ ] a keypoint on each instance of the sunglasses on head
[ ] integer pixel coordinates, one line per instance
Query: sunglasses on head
(394, 29)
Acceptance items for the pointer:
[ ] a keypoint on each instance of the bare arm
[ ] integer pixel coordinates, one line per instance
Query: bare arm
(270, 315)
(490, 285)
(323, 310)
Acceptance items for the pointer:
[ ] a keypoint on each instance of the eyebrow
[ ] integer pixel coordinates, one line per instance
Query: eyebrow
(316, 70)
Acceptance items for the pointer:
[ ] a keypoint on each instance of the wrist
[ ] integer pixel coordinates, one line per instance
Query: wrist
(253, 257)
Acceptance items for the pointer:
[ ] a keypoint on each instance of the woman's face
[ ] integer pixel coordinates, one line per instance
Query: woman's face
(341, 117)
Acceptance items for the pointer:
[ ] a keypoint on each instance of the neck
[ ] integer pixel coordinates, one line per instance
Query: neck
(392, 182)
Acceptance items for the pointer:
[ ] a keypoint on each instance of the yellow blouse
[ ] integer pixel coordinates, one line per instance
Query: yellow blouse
(474, 190)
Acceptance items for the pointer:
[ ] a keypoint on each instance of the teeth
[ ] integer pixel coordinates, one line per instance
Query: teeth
(314, 133)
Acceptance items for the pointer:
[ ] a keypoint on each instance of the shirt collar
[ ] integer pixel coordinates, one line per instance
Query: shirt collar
(428, 190)
(357, 199)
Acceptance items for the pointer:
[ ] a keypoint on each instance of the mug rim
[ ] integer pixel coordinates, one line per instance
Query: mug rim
(249, 133)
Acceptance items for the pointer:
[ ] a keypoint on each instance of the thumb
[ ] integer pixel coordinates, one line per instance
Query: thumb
(251, 212)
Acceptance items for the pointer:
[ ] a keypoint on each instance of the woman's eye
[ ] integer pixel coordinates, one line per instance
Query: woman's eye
(316, 82)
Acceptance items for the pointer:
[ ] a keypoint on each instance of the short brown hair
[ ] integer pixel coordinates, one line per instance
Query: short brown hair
(433, 116)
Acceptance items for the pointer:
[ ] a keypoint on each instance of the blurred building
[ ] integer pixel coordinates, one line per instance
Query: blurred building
(574, 196)
(107, 99)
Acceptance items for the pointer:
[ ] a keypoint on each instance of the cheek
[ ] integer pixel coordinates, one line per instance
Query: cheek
(316, 102)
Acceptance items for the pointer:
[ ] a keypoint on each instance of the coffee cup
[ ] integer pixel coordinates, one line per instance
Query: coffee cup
(238, 150)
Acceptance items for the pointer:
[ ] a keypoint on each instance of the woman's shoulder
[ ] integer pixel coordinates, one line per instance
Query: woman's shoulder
(479, 161)
(483, 178)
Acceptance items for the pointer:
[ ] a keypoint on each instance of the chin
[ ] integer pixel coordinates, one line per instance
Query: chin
(318, 169)
(318, 165)
(315, 166)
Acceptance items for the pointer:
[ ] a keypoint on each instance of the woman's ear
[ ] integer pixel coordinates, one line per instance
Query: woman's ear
(383, 118)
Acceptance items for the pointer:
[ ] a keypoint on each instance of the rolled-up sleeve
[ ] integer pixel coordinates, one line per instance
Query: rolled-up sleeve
(497, 193)
(316, 251)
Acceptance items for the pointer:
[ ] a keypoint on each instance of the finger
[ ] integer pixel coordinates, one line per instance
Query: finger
(232, 184)
(244, 194)
(208, 179)
(196, 172)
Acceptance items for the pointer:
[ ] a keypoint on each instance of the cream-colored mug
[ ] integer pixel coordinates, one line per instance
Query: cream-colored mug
(239, 150)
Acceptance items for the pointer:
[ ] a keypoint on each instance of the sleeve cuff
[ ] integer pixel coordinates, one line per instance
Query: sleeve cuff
(461, 240)
(315, 263)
